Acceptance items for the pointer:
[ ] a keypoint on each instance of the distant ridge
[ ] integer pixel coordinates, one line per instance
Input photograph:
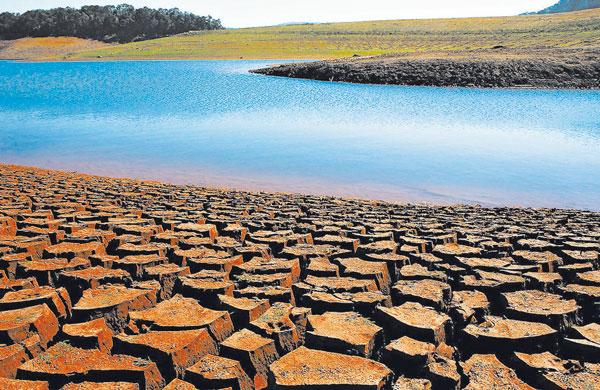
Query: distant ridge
(293, 24)
(570, 5)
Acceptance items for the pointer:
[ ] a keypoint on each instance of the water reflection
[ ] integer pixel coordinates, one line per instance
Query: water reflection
(211, 122)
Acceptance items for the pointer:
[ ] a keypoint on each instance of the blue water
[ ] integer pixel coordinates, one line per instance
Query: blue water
(213, 123)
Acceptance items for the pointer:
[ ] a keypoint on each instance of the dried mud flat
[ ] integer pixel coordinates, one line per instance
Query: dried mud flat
(121, 284)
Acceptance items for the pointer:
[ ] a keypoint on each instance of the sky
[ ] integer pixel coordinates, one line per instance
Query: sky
(248, 13)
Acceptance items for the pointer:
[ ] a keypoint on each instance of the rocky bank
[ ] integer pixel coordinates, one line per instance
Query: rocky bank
(498, 68)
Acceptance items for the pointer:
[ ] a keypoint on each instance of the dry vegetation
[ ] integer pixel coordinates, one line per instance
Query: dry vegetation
(337, 40)
(41, 49)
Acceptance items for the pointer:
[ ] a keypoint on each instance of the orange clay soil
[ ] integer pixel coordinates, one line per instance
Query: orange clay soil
(94, 334)
(244, 310)
(295, 290)
(70, 250)
(487, 372)
(93, 275)
(501, 335)
(246, 340)
(586, 378)
(348, 331)
(101, 386)
(38, 49)
(539, 305)
(20, 324)
(254, 352)
(173, 351)
(179, 313)
(304, 368)
(411, 346)
(541, 361)
(428, 292)
(56, 299)
(512, 329)
(342, 284)
(112, 302)
(590, 332)
(470, 299)
(15, 384)
(63, 363)
(110, 295)
(414, 319)
(217, 371)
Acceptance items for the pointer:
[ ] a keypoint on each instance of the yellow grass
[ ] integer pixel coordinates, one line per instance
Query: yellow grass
(335, 40)
(47, 48)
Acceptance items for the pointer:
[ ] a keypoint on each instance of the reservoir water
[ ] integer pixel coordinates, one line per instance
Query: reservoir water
(213, 123)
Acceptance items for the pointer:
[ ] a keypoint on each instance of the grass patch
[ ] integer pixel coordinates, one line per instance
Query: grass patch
(51, 48)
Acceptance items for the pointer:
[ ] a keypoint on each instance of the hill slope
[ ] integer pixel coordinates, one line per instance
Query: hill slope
(40, 49)
(571, 5)
(336, 40)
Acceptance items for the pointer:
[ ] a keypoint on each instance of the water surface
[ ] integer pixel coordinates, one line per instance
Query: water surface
(213, 123)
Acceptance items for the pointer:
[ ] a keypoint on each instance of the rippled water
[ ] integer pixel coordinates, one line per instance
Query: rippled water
(211, 122)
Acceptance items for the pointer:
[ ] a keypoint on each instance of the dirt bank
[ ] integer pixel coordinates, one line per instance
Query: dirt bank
(497, 68)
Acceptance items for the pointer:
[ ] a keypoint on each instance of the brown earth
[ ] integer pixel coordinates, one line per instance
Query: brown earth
(204, 288)
(487, 68)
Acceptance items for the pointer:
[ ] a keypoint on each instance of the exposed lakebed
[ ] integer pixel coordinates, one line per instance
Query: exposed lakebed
(213, 123)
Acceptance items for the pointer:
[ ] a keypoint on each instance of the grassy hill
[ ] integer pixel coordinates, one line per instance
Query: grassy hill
(336, 40)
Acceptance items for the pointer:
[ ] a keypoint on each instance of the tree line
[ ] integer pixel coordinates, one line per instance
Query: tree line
(121, 23)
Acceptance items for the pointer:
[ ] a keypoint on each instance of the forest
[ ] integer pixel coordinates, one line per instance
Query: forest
(122, 23)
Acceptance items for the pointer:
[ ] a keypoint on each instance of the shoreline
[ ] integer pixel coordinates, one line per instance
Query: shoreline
(577, 69)
(247, 189)
(509, 88)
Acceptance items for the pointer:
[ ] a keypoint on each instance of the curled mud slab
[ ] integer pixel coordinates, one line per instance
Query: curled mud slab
(498, 334)
(108, 283)
(61, 364)
(539, 306)
(306, 368)
(112, 302)
(20, 324)
(218, 372)
(173, 351)
(180, 313)
(487, 372)
(344, 332)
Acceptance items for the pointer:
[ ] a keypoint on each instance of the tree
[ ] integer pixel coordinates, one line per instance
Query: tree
(121, 23)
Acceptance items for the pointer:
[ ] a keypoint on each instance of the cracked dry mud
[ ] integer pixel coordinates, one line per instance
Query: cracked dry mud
(122, 284)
